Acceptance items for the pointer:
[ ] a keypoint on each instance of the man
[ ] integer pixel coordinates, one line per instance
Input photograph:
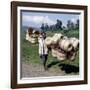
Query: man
(43, 50)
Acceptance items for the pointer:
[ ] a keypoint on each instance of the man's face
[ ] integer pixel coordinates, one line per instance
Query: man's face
(44, 36)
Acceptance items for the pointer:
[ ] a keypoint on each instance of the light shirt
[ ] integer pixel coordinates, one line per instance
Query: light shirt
(42, 47)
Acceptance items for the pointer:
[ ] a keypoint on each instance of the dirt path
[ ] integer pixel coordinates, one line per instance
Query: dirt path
(29, 70)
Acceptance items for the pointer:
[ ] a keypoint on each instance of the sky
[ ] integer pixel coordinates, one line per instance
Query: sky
(35, 19)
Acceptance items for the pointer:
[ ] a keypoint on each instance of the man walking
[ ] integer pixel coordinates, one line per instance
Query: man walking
(43, 50)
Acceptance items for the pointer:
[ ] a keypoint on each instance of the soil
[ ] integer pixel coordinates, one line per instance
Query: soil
(30, 70)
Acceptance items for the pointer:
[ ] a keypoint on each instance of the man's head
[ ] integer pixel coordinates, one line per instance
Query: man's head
(43, 34)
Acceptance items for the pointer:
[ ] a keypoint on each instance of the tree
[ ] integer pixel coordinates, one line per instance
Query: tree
(42, 26)
(72, 25)
(77, 24)
(64, 28)
(46, 27)
(58, 25)
(69, 24)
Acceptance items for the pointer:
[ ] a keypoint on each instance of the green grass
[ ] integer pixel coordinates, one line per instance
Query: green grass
(68, 33)
(29, 52)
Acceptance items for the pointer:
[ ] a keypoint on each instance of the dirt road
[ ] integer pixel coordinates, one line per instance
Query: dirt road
(29, 70)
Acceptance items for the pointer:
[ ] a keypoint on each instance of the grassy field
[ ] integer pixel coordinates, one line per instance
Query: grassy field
(29, 52)
(68, 33)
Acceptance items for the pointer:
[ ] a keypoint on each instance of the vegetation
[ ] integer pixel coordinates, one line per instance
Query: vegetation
(59, 25)
(29, 52)
(68, 33)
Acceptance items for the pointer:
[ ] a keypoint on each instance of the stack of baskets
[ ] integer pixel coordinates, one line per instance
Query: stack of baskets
(62, 47)
(32, 37)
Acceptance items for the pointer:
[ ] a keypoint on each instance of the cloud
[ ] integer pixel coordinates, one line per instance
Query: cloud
(38, 19)
(74, 20)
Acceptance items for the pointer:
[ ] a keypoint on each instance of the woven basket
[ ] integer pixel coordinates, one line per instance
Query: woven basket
(48, 41)
(54, 52)
(65, 37)
(65, 45)
(27, 36)
(71, 55)
(75, 43)
(56, 38)
(61, 55)
(33, 40)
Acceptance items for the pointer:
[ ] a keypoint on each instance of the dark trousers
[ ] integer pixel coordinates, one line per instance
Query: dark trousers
(44, 60)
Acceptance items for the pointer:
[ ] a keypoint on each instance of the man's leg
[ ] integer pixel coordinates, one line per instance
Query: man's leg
(41, 58)
(45, 61)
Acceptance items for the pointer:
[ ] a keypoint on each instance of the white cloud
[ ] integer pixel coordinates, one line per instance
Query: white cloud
(38, 19)
(74, 20)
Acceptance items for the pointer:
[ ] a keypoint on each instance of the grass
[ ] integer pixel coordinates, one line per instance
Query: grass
(68, 33)
(29, 52)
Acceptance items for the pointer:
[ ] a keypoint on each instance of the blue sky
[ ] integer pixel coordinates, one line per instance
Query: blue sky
(35, 19)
